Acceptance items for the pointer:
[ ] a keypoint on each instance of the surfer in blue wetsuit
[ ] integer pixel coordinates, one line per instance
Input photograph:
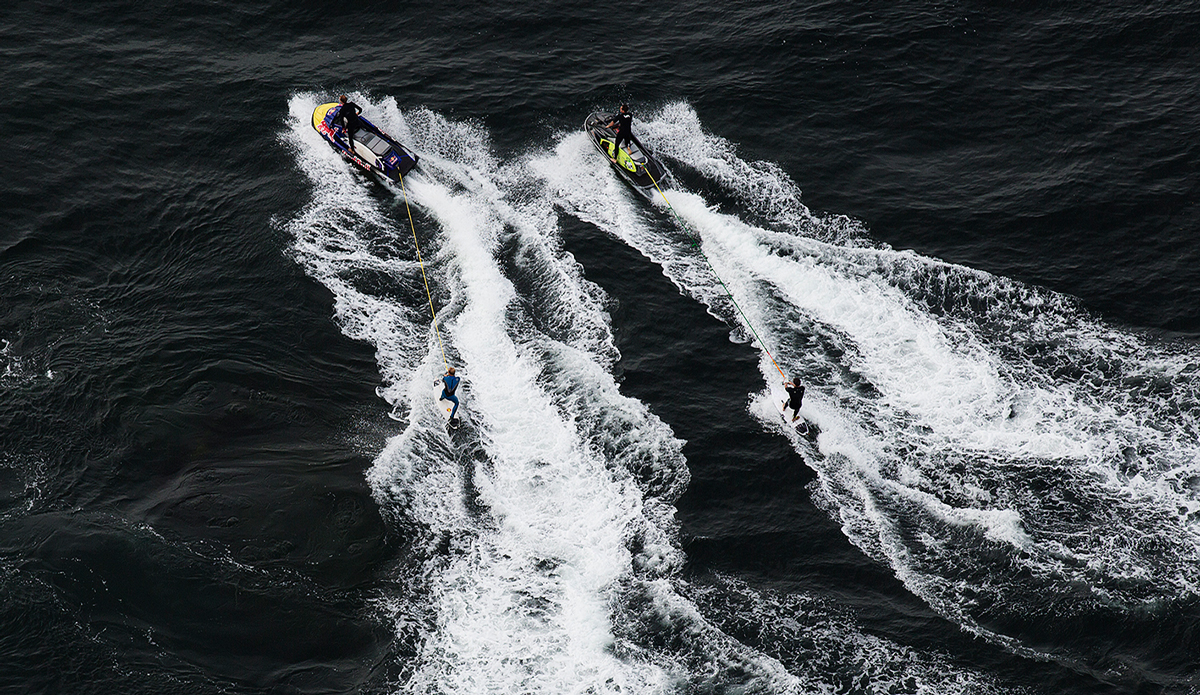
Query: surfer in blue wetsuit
(449, 384)
(795, 398)
(348, 115)
(623, 122)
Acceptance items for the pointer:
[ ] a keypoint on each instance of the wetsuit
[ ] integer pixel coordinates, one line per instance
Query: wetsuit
(450, 383)
(348, 115)
(795, 398)
(624, 130)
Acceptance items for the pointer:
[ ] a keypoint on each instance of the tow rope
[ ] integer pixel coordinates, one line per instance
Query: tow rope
(696, 244)
(421, 262)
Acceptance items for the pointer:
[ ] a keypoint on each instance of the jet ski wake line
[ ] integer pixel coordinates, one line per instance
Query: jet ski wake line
(373, 150)
(553, 562)
(638, 167)
(955, 393)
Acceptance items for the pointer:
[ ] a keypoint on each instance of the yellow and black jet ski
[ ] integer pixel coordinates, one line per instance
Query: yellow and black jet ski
(635, 163)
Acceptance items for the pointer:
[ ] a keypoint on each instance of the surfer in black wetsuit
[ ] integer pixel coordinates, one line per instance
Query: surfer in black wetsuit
(623, 121)
(795, 398)
(348, 115)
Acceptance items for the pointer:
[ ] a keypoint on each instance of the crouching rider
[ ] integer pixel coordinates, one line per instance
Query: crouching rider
(449, 385)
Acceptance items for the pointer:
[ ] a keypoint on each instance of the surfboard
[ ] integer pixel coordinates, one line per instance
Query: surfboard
(444, 407)
(803, 426)
(781, 397)
(787, 414)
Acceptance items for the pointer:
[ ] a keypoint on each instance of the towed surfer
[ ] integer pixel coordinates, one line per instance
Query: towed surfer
(795, 392)
(623, 121)
(449, 384)
(348, 115)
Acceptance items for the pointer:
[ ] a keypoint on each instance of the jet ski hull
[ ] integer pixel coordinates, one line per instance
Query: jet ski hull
(638, 166)
(371, 150)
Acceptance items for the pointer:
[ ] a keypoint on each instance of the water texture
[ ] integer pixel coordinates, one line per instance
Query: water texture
(968, 230)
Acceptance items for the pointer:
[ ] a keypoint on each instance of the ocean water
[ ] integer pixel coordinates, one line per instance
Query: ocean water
(969, 230)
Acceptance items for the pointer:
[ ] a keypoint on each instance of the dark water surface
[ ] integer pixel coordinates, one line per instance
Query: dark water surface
(990, 289)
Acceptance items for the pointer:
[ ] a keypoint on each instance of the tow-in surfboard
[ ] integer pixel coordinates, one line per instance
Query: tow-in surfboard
(788, 413)
(807, 429)
(781, 404)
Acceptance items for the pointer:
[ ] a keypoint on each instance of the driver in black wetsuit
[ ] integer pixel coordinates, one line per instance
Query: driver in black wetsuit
(623, 120)
(348, 115)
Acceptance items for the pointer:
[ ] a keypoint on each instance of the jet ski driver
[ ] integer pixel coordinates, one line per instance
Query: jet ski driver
(623, 120)
(348, 115)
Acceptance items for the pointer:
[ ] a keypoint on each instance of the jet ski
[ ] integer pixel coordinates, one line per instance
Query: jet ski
(637, 166)
(370, 148)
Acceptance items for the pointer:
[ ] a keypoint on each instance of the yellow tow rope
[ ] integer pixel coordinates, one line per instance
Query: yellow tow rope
(423, 277)
(696, 243)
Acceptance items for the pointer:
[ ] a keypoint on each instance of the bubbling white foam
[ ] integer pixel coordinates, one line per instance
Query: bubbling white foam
(935, 418)
(827, 650)
(532, 603)
(676, 131)
(554, 500)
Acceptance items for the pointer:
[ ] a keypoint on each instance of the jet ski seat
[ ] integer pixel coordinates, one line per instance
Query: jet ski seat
(377, 145)
(635, 153)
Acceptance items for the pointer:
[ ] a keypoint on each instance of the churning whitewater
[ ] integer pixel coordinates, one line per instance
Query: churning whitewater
(1004, 453)
(975, 434)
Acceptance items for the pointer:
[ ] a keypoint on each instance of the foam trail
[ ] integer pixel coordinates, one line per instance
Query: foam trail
(528, 600)
(583, 185)
(553, 520)
(761, 186)
(941, 394)
(521, 606)
(347, 243)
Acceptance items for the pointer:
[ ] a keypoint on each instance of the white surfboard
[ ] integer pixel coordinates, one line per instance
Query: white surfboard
(781, 404)
(788, 413)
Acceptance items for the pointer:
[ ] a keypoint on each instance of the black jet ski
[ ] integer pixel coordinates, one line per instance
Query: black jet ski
(637, 166)
(371, 148)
